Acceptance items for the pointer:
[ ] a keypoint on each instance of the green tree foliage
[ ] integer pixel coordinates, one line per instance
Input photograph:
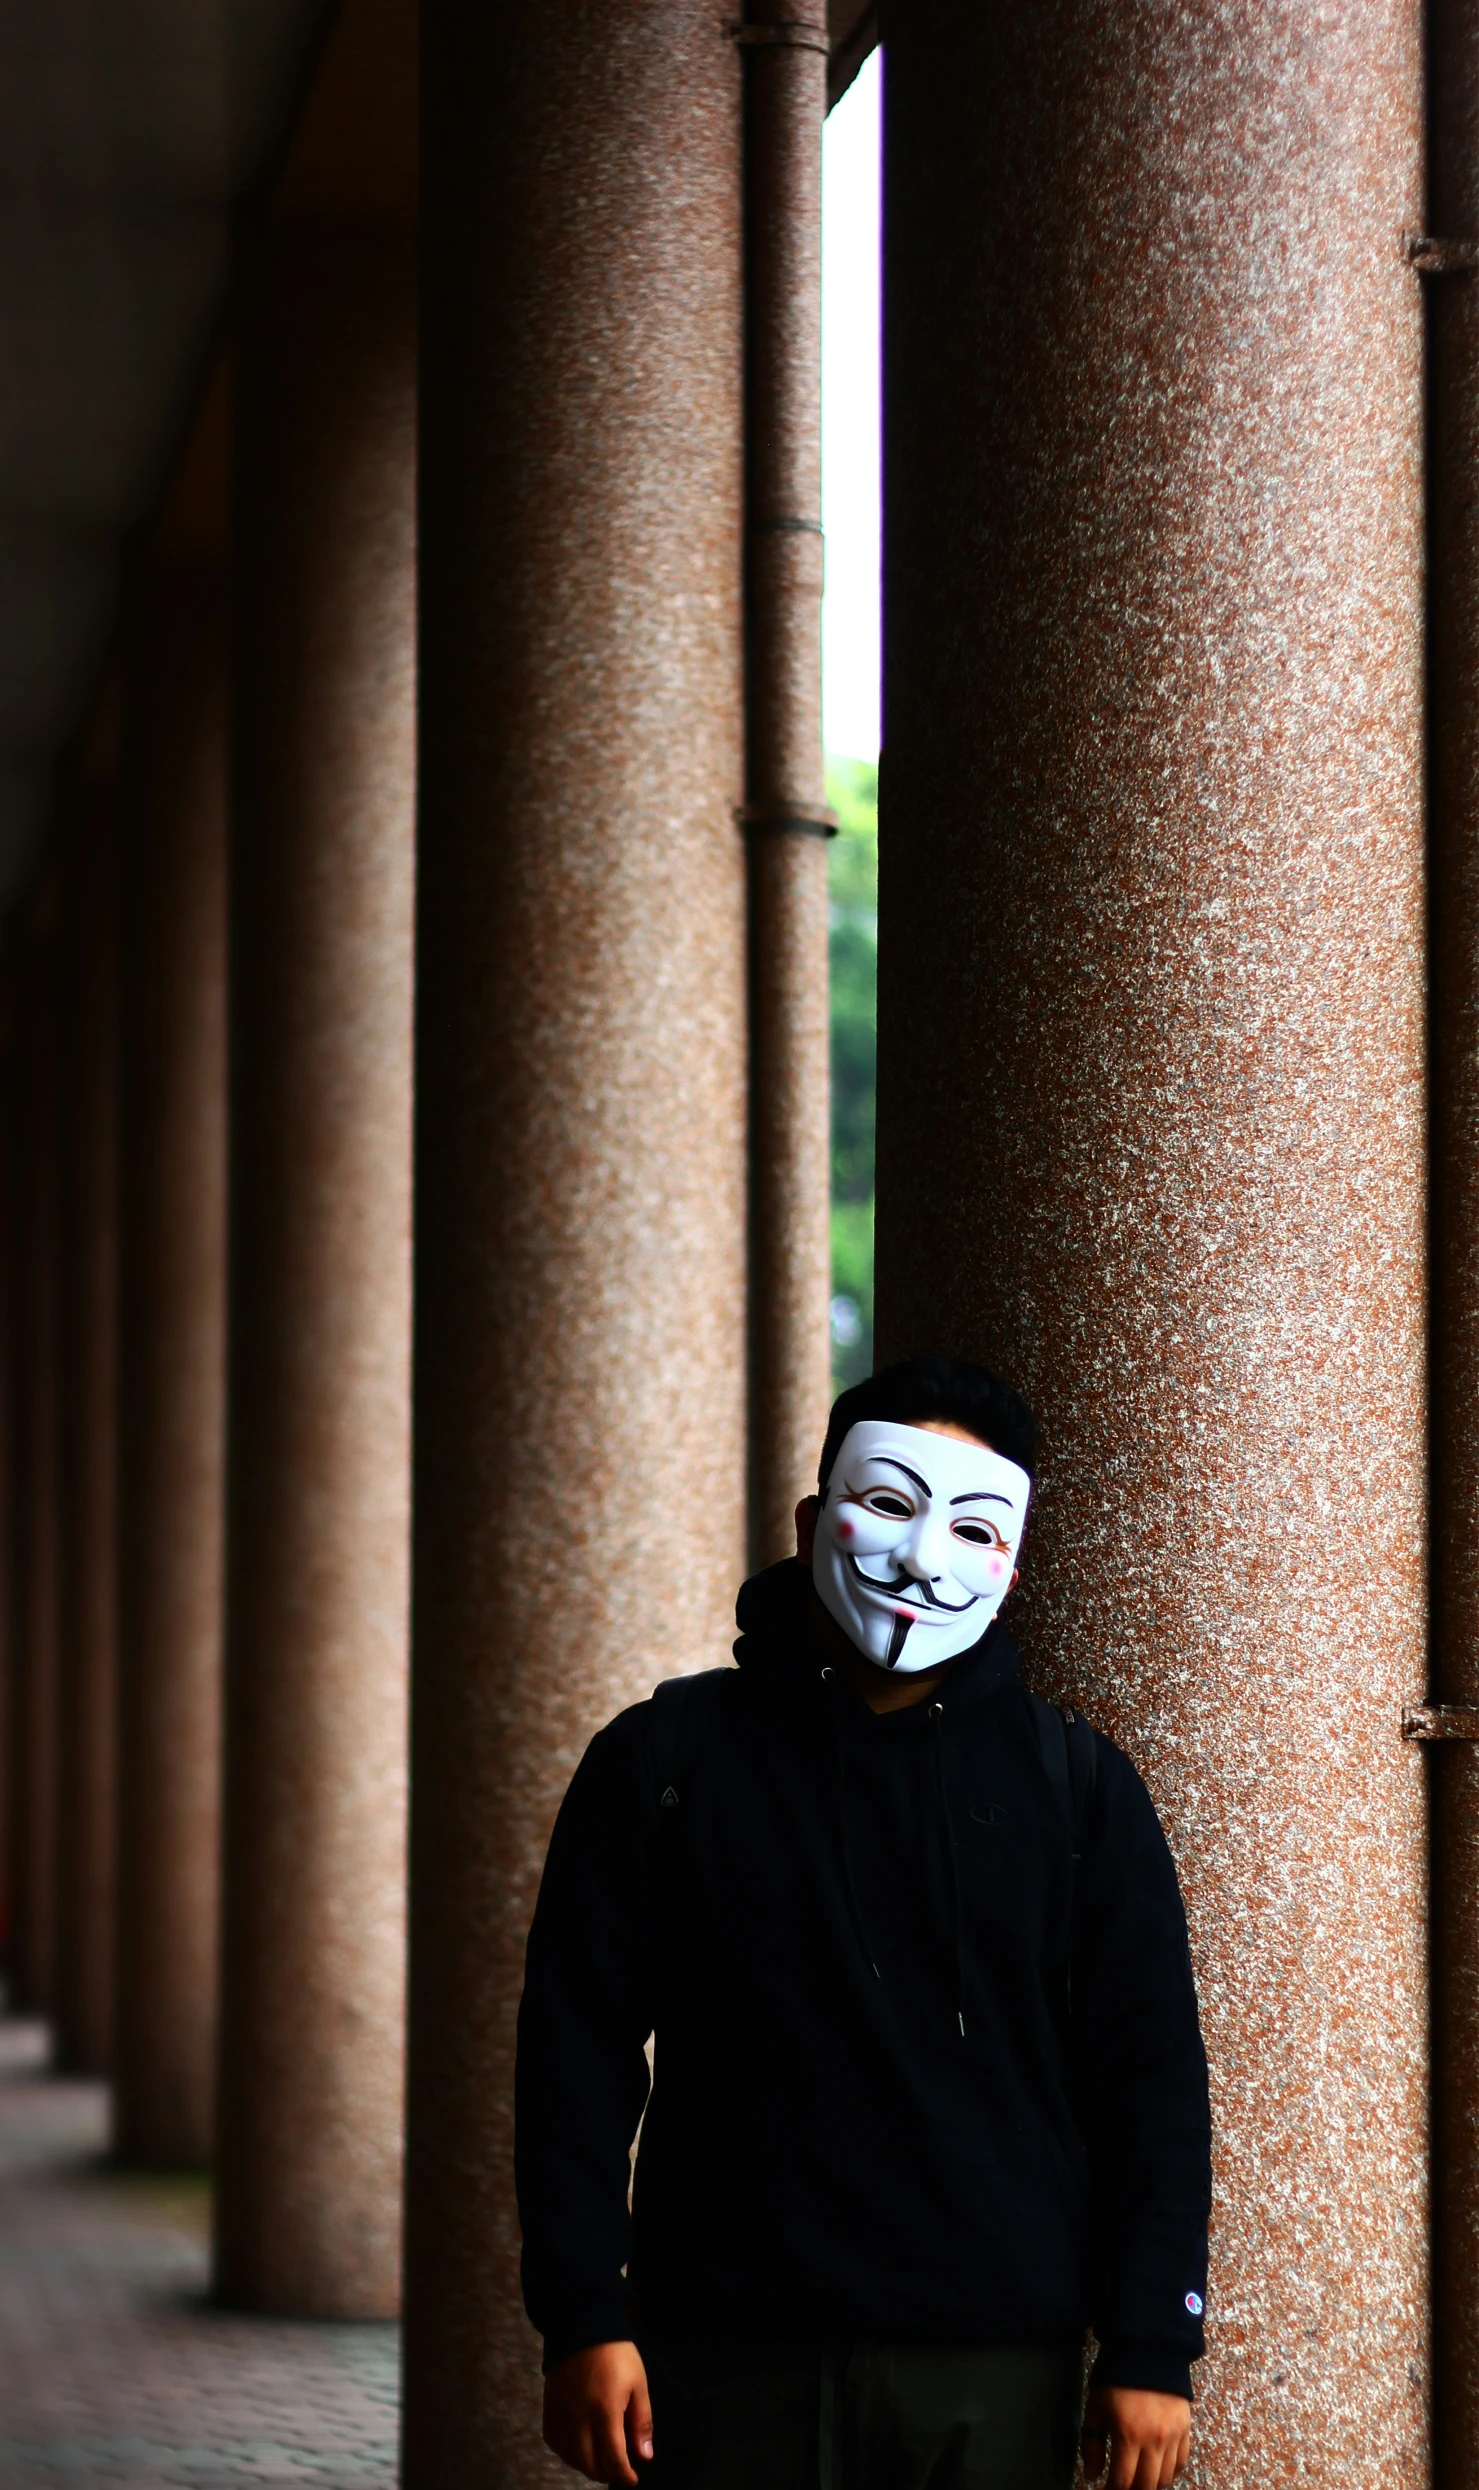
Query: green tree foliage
(852, 791)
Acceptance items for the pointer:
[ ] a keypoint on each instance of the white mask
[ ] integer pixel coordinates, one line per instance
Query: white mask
(916, 1542)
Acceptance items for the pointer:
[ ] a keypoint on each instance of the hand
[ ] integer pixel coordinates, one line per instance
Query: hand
(597, 2412)
(1148, 2437)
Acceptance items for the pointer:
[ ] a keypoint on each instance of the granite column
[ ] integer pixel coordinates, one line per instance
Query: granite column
(87, 1726)
(581, 1066)
(321, 911)
(10, 1063)
(1152, 1037)
(172, 1332)
(35, 1584)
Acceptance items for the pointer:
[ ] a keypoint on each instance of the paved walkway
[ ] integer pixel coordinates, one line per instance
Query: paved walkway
(113, 2366)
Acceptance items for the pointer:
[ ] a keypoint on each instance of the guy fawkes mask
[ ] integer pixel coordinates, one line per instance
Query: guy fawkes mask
(916, 1542)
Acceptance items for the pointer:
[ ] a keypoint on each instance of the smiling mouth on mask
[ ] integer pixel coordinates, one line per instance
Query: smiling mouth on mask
(917, 1594)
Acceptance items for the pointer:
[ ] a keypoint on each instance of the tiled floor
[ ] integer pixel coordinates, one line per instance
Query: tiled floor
(113, 2366)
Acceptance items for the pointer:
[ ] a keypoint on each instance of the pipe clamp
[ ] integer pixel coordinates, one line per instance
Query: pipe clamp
(1430, 1721)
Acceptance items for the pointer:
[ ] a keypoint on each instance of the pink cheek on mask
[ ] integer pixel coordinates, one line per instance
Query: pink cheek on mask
(997, 1566)
(844, 1530)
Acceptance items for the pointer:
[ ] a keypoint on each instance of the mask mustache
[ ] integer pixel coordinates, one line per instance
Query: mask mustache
(907, 1586)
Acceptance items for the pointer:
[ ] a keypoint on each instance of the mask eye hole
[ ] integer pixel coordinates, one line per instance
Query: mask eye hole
(887, 1502)
(979, 1534)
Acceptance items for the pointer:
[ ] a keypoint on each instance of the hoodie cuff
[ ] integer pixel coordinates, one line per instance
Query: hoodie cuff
(1136, 2361)
(610, 2321)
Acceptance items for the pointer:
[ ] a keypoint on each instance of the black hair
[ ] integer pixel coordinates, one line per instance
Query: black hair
(937, 1387)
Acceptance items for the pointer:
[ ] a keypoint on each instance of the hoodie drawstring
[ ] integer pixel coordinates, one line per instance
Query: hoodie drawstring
(855, 1908)
(937, 1720)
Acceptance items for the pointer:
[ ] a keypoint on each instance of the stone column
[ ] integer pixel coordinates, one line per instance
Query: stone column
(581, 1320)
(1151, 1037)
(36, 1582)
(10, 1062)
(87, 1751)
(172, 1332)
(322, 864)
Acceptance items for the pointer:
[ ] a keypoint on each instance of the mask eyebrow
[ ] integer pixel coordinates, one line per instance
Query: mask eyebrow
(888, 1462)
(981, 1495)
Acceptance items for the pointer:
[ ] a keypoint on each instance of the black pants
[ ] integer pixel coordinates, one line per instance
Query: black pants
(734, 2412)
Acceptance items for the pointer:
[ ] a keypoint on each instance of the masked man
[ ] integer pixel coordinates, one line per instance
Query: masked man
(929, 2099)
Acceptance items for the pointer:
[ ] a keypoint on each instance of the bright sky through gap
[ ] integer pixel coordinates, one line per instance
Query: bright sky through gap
(850, 418)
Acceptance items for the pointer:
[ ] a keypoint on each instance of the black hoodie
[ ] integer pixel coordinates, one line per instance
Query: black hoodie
(875, 2109)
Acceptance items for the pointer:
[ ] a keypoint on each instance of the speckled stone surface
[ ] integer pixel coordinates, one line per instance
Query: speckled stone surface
(87, 1741)
(172, 1366)
(1151, 1114)
(581, 1082)
(318, 1465)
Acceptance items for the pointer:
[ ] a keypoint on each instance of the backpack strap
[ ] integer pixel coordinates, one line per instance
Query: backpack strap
(1052, 1739)
(1083, 1766)
(1070, 1754)
(682, 1714)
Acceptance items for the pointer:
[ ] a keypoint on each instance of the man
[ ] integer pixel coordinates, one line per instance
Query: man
(929, 2096)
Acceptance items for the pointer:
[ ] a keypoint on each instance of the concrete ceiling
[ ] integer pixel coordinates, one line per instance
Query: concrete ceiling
(127, 130)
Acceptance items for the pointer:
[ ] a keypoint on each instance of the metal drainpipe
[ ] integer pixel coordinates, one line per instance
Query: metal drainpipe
(1445, 256)
(786, 820)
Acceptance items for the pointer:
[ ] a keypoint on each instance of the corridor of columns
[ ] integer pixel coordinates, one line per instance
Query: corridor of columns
(427, 1242)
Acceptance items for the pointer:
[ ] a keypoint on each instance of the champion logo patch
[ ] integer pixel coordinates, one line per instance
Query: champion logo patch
(1194, 2302)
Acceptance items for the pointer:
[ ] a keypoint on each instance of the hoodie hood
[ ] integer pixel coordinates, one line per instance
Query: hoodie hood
(776, 1645)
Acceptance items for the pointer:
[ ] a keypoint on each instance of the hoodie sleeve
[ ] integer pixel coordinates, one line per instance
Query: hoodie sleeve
(1140, 2077)
(581, 2077)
